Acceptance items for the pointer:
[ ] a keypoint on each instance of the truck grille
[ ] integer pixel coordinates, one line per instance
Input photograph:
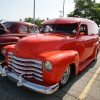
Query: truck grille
(30, 68)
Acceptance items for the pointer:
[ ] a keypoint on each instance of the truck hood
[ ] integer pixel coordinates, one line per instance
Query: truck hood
(33, 45)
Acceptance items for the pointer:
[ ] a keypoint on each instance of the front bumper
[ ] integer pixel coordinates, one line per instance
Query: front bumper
(21, 82)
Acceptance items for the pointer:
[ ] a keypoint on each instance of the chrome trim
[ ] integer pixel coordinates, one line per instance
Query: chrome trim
(4, 71)
(32, 86)
(23, 72)
(24, 68)
(24, 59)
(25, 64)
(38, 79)
(1, 69)
(20, 80)
(10, 53)
(9, 43)
(27, 60)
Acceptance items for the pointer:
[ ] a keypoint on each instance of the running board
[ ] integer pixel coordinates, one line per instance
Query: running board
(85, 63)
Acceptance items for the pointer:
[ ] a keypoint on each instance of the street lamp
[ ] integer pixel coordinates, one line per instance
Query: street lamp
(63, 7)
(60, 13)
(34, 12)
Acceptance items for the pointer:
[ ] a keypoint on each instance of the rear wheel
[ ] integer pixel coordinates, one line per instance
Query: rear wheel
(65, 77)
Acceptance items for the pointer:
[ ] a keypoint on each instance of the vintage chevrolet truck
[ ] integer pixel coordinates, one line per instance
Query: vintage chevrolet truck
(44, 62)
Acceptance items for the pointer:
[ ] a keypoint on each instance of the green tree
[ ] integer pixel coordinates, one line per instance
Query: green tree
(86, 9)
(38, 21)
(29, 19)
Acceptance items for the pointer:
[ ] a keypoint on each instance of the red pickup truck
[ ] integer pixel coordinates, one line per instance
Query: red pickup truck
(44, 62)
(12, 31)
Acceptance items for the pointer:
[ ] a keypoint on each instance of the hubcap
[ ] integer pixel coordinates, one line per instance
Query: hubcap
(65, 76)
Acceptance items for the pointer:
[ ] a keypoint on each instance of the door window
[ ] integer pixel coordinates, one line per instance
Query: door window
(83, 28)
(23, 29)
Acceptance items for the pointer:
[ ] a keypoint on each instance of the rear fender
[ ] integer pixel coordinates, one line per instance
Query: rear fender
(96, 50)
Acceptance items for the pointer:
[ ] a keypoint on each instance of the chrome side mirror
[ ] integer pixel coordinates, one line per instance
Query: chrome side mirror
(74, 31)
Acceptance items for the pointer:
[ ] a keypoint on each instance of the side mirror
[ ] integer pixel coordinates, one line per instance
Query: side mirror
(74, 31)
(82, 33)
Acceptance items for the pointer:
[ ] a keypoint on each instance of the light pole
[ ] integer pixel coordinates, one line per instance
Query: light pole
(34, 12)
(63, 7)
(60, 13)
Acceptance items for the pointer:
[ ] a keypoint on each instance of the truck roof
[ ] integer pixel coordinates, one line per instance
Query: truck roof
(67, 20)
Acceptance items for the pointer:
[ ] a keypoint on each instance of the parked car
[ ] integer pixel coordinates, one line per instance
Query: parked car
(12, 31)
(44, 62)
(99, 31)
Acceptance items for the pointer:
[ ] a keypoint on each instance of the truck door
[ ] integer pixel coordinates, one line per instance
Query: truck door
(85, 43)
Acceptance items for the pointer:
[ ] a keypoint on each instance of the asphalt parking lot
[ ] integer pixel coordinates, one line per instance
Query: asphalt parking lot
(84, 86)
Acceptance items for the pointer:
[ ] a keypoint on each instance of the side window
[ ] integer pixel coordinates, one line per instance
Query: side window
(34, 29)
(23, 29)
(83, 28)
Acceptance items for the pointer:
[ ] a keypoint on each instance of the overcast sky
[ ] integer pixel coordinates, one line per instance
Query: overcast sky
(20, 9)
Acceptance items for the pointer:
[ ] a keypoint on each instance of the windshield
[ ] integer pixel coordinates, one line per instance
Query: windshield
(66, 28)
(6, 24)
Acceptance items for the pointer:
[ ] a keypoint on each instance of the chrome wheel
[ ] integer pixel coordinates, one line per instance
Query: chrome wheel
(65, 76)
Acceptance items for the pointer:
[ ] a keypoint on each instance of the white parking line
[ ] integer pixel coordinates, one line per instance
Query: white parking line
(88, 86)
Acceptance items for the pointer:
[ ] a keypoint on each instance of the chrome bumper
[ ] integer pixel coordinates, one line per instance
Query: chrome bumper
(21, 82)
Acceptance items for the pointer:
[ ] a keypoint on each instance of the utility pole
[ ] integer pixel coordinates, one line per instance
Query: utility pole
(63, 7)
(34, 13)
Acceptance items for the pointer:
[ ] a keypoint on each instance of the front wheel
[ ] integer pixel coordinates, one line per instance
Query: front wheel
(65, 77)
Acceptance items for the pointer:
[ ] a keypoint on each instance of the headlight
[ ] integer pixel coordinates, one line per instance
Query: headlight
(3, 51)
(47, 65)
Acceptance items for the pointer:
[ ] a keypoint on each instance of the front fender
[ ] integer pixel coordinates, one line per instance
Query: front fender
(60, 61)
(8, 48)
(4, 41)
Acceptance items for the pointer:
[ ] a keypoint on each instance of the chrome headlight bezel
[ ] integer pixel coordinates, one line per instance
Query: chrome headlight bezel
(47, 65)
(3, 51)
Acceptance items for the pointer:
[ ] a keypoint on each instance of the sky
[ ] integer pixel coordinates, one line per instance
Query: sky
(21, 9)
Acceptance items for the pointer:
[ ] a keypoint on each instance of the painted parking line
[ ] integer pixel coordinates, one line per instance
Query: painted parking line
(88, 86)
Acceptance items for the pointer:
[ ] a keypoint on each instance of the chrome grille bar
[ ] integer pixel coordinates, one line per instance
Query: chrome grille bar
(26, 64)
(27, 60)
(24, 72)
(24, 59)
(30, 67)
(23, 68)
